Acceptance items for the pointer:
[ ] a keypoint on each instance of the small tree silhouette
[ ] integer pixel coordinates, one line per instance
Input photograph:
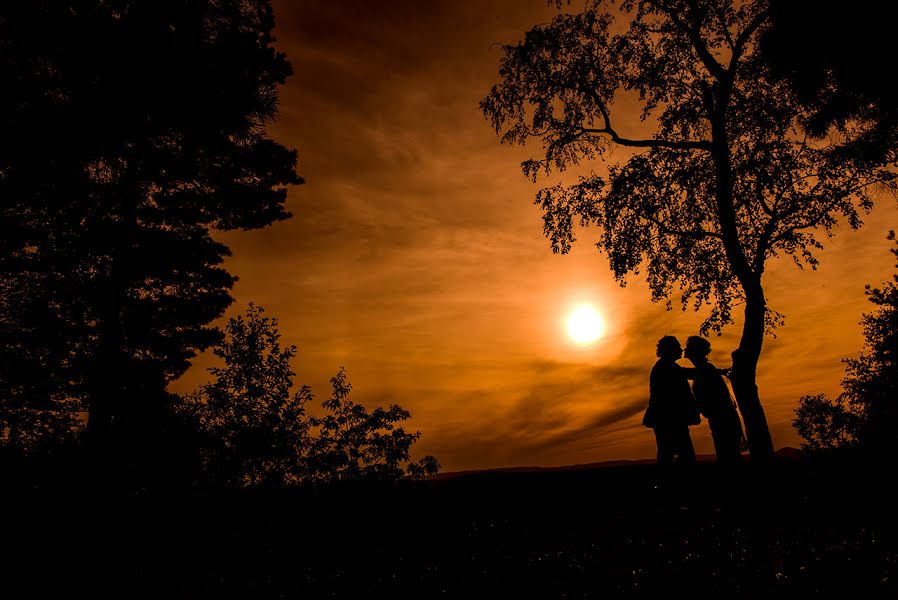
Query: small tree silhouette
(256, 430)
(866, 412)
(353, 443)
(825, 423)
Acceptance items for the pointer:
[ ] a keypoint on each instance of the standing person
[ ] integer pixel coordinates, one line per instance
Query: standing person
(672, 407)
(715, 403)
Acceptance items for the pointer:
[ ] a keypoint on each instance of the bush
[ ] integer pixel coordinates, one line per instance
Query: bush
(256, 431)
(865, 414)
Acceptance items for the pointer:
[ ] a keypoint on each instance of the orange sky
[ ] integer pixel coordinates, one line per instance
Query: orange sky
(415, 257)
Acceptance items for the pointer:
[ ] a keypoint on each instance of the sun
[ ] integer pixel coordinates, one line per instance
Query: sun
(585, 325)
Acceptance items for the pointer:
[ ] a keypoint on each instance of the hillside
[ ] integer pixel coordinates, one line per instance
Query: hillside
(793, 530)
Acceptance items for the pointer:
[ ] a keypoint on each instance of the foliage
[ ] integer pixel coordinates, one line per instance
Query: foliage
(257, 431)
(824, 423)
(828, 58)
(725, 181)
(131, 130)
(866, 412)
(353, 443)
(701, 84)
(35, 415)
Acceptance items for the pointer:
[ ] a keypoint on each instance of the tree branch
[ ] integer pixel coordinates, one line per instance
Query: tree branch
(655, 143)
(696, 234)
(693, 32)
(813, 221)
(746, 34)
(721, 16)
(764, 244)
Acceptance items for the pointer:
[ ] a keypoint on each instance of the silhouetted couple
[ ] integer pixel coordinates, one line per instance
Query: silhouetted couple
(674, 406)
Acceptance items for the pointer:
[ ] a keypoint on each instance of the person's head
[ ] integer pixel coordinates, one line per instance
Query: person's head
(669, 347)
(697, 348)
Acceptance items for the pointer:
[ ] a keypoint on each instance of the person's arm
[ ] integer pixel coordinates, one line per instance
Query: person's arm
(687, 372)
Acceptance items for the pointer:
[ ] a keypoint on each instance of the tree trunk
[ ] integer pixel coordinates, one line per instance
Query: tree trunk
(745, 358)
(744, 378)
(111, 370)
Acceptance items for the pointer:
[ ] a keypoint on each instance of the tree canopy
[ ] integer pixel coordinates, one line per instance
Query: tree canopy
(132, 130)
(832, 61)
(725, 180)
(253, 422)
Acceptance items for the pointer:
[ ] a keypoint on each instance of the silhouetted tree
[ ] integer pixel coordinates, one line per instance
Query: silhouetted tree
(255, 427)
(824, 423)
(256, 431)
(36, 415)
(725, 180)
(865, 414)
(830, 59)
(352, 443)
(132, 129)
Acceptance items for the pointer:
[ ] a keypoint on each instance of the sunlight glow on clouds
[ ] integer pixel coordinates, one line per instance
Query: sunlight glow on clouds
(416, 259)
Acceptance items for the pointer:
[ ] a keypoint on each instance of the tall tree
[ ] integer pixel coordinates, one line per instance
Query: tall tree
(132, 129)
(724, 182)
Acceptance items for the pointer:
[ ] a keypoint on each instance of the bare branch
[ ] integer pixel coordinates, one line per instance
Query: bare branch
(654, 143)
(764, 244)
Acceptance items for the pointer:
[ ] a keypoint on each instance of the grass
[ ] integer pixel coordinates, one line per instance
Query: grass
(796, 529)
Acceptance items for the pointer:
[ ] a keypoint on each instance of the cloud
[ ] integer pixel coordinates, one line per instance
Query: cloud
(416, 256)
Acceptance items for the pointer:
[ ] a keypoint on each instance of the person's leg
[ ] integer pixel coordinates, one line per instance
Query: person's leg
(684, 449)
(718, 437)
(726, 435)
(666, 446)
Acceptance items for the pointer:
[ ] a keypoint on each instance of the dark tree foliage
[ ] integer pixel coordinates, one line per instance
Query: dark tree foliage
(256, 431)
(352, 443)
(131, 130)
(724, 181)
(825, 424)
(865, 414)
(835, 62)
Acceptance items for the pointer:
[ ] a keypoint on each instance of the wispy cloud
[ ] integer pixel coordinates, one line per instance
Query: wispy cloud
(416, 257)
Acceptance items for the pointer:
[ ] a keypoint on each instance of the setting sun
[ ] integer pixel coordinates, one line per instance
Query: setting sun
(585, 325)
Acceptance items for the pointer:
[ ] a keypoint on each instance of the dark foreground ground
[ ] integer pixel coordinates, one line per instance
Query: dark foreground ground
(800, 528)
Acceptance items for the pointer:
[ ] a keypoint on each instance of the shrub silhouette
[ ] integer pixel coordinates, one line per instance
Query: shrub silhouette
(352, 443)
(825, 423)
(865, 414)
(256, 430)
